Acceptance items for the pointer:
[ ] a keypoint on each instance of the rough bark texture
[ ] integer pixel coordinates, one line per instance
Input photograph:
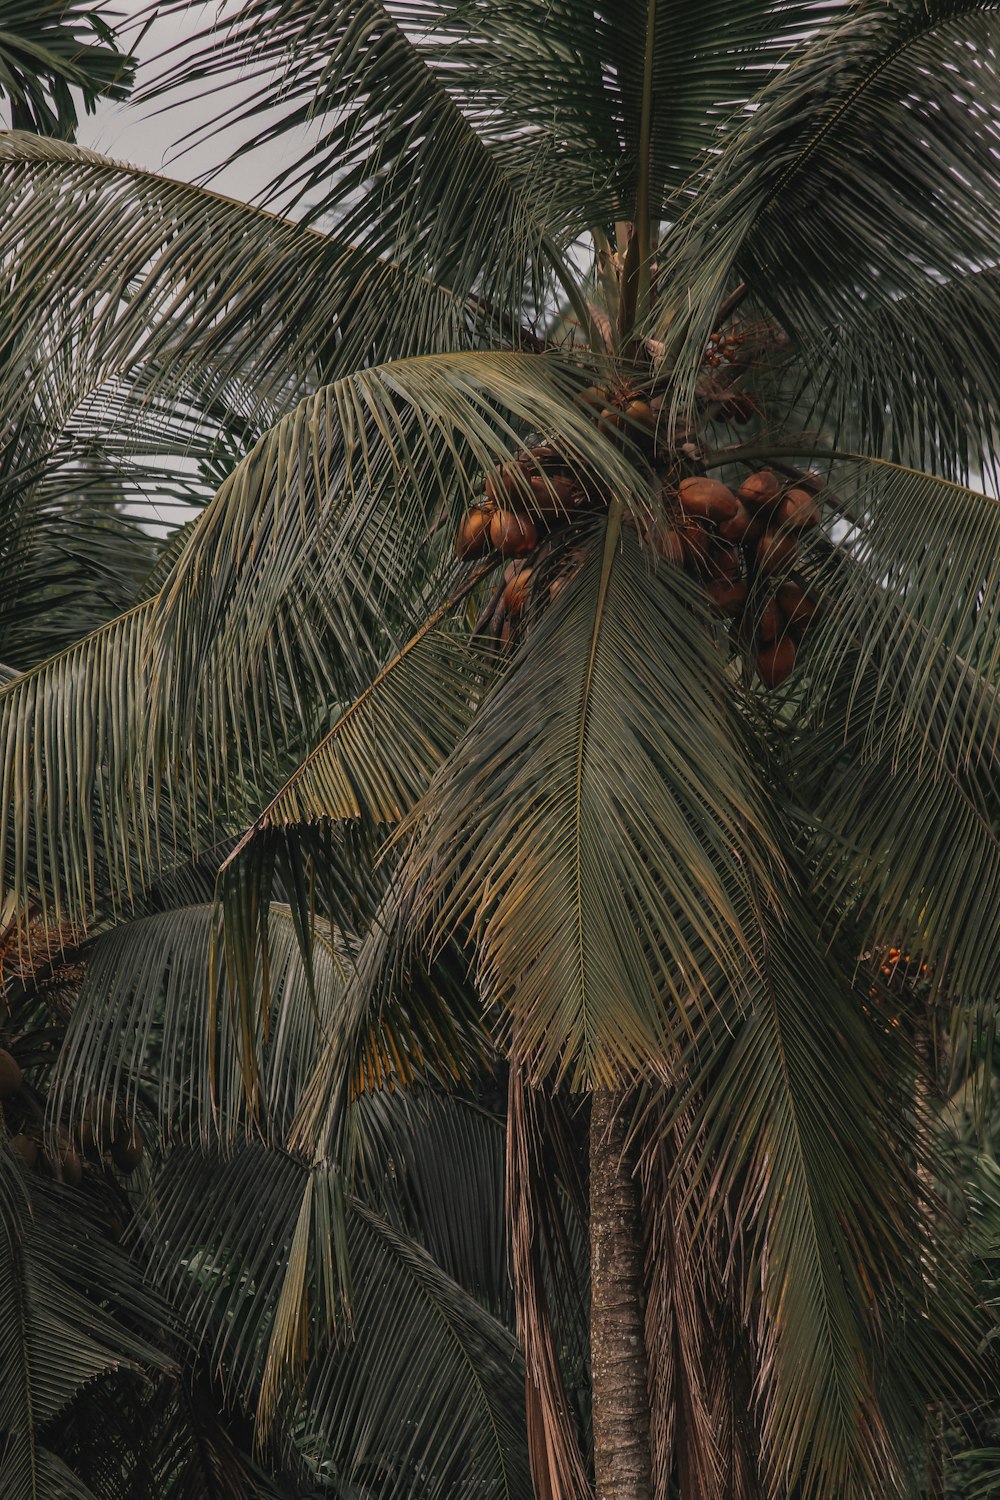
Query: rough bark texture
(617, 1347)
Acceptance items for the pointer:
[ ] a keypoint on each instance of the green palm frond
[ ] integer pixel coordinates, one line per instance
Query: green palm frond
(50, 51)
(432, 1165)
(286, 597)
(422, 1381)
(853, 187)
(380, 755)
(915, 850)
(157, 258)
(157, 1003)
(699, 68)
(912, 593)
(74, 1310)
(396, 161)
(609, 785)
(800, 1103)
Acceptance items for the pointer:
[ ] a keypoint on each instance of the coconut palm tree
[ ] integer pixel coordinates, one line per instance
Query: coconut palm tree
(571, 717)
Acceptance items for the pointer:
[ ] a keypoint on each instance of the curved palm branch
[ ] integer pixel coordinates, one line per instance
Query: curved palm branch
(50, 51)
(578, 875)
(862, 147)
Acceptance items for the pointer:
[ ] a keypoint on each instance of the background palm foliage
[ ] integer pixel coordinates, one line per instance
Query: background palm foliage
(344, 910)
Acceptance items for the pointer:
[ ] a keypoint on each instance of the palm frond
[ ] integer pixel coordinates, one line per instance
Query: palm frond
(287, 597)
(159, 1018)
(810, 1131)
(189, 282)
(50, 52)
(74, 1310)
(421, 1382)
(859, 179)
(395, 162)
(616, 822)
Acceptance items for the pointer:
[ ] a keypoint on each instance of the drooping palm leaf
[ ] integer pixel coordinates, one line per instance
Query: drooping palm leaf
(861, 178)
(49, 51)
(61, 1285)
(608, 784)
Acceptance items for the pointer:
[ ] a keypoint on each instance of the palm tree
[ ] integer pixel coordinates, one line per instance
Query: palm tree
(682, 839)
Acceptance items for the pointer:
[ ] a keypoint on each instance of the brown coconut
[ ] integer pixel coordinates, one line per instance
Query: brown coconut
(551, 494)
(513, 535)
(472, 539)
(27, 1149)
(760, 490)
(641, 418)
(775, 550)
(770, 622)
(593, 399)
(798, 607)
(775, 662)
(515, 595)
(744, 526)
(728, 595)
(798, 510)
(707, 500)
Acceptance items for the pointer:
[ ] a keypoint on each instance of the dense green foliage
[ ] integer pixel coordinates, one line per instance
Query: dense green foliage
(324, 910)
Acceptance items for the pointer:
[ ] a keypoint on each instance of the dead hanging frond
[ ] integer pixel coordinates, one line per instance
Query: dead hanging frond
(557, 1466)
(681, 1276)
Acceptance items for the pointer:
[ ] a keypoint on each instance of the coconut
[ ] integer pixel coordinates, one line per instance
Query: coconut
(11, 1077)
(668, 543)
(513, 535)
(728, 595)
(760, 490)
(798, 607)
(775, 662)
(742, 527)
(68, 1158)
(515, 595)
(613, 423)
(552, 494)
(592, 398)
(541, 456)
(27, 1149)
(472, 538)
(707, 500)
(71, 1165)
(505, 485)
(769, 622)
(697, 546)
(775, 550)
(97, 1124)
(127, 1149)
(798, 510)
(640, 415)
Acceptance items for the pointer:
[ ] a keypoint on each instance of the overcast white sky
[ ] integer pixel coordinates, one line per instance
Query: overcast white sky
(146, 139)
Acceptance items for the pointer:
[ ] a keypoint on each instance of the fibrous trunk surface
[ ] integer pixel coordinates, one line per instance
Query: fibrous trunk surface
(618, 1352)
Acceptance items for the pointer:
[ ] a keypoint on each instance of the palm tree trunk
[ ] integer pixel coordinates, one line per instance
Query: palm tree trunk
(617, 1347)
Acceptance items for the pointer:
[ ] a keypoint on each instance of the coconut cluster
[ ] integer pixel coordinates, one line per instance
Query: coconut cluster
(529, 504)
(104, 1134)
(741, 545)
